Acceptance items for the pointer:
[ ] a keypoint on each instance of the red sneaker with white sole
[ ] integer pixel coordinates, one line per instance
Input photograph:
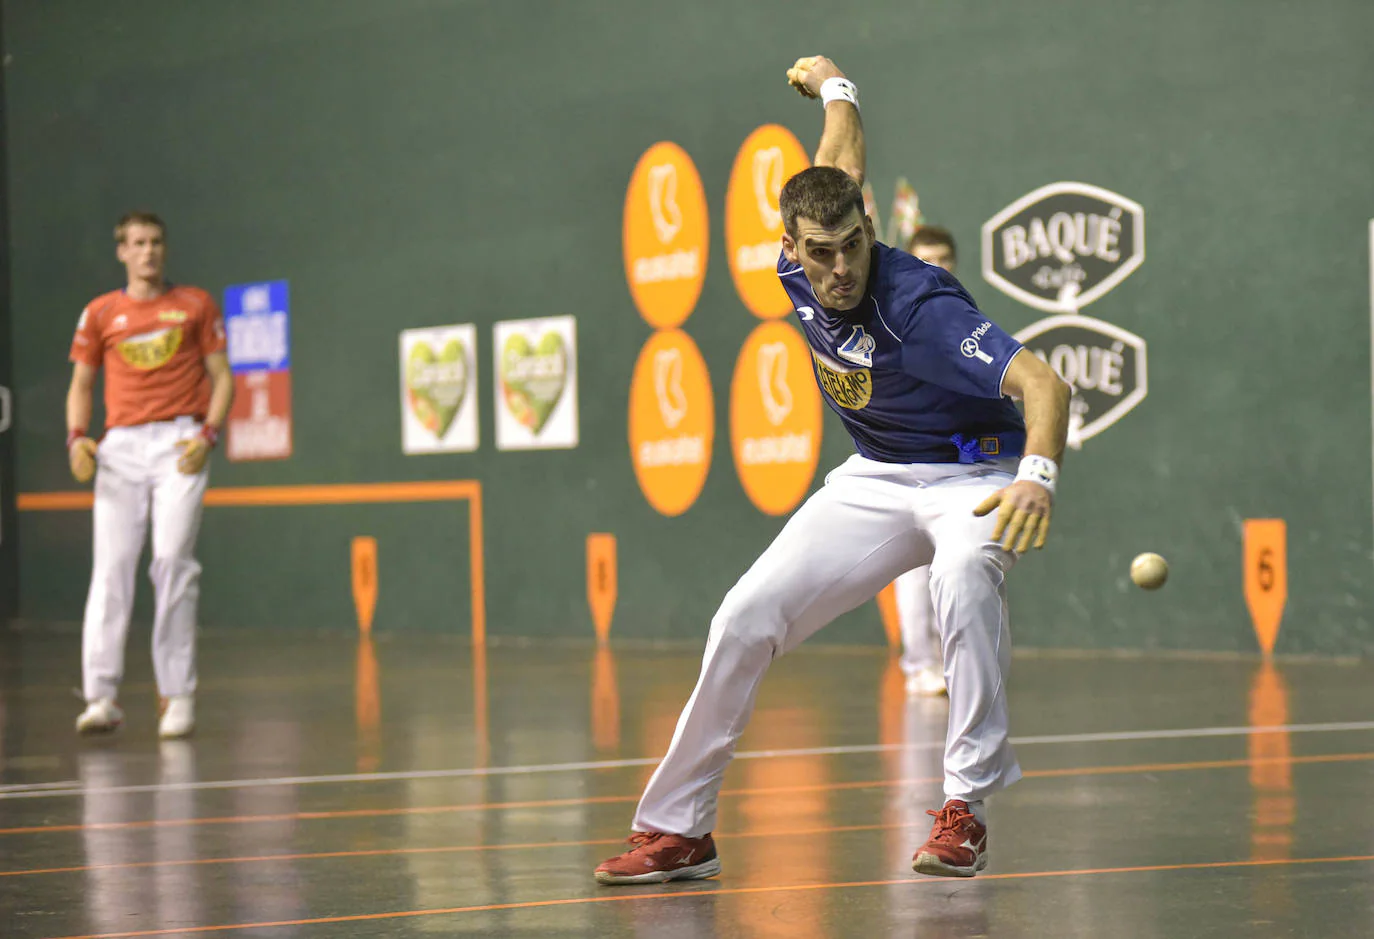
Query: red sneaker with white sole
(958, 845)
(657, 858)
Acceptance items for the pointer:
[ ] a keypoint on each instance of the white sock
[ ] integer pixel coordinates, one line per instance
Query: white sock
(979, 811)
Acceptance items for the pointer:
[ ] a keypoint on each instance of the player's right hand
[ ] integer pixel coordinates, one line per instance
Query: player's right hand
(1023, 515)
(810, 71)
(81, 458)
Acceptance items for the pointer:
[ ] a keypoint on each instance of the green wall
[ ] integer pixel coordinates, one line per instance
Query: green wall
(417, 163)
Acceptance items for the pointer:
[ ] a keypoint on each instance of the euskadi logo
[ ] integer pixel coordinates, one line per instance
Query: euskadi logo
(775, 418)
(665, 235)
(769, 157)
(672, 421)
(1105, 364)
(1063, 246)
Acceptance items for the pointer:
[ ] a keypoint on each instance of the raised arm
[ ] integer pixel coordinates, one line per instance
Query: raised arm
(842, 140)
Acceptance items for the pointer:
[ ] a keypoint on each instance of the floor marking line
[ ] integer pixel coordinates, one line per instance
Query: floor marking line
(728, 891)
(537, 769)
(726, 793)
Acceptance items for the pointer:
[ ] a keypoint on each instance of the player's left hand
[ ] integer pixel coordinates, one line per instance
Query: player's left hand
(1023, 515)
(194, 453)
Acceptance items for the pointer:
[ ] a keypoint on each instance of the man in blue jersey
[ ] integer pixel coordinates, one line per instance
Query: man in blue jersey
(923, 383)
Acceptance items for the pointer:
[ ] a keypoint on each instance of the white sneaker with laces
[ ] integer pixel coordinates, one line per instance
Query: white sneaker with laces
(100, 717)
(927, 682)
(178, 717)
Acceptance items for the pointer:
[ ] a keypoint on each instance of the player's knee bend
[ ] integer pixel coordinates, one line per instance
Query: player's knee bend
(955, 565)
(174, 567)
(750, 617)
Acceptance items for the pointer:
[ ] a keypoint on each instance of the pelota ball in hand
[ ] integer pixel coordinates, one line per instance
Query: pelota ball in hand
(1149, 571)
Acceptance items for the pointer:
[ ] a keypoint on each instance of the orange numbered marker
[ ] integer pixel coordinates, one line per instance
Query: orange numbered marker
(1266, 576)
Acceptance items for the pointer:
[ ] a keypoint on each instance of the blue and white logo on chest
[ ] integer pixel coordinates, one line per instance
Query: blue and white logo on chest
(858, 348)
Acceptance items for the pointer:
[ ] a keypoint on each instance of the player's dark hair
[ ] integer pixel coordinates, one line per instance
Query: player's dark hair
(137, 217)
(933, 235)
(823, 194)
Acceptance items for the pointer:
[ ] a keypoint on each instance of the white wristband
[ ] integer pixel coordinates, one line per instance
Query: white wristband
(1038, 469)
(839, 89)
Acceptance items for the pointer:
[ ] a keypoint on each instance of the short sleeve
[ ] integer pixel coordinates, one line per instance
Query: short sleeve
(947, 340)
(87, 348)
(211, 328)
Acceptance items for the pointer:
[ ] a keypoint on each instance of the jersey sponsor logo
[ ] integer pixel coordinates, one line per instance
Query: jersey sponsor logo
(148, 351)
(806, 313)
(665, 235)
(1063, 246)
(1105, 364)
(119, 322)
(970, 348)
(858, 348)
(172, 316)
(753, 222)
(851, 389)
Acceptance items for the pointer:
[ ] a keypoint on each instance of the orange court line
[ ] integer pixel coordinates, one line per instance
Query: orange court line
(622, 799)
(441, 849)
(328, 494)
(731, 891)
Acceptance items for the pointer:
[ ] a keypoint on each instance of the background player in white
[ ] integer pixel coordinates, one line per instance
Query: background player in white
(167, 390)
(921, 660)
(921, 381)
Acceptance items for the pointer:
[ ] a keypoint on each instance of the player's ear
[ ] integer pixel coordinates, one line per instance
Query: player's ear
(868, 228)
(789, 248)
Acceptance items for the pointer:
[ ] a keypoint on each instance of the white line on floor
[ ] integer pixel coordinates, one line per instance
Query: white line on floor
(48, 790)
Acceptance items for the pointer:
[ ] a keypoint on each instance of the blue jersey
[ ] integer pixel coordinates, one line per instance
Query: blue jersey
(915, 370)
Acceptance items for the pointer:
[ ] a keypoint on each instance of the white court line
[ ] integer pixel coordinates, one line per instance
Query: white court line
(1107, 737)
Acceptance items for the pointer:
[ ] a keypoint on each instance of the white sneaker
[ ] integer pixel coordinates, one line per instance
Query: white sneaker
(178, 717)
(927, 682)
(100, 717)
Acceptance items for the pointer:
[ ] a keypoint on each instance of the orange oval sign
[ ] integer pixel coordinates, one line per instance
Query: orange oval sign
(665, 235)
(775, 418)
(672, 421)
(768, 158)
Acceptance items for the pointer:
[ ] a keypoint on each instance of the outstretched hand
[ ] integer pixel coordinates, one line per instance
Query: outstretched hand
(809, 72)
(1023, 515)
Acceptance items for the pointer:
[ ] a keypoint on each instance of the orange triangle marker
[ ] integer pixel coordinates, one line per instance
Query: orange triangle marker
(601, 582)
(1266, 576)
(365, 581)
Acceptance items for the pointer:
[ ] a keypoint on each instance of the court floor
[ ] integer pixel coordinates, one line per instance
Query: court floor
(411, 787)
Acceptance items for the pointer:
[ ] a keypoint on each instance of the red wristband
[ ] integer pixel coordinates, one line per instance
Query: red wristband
(210, 433)
(74, 435)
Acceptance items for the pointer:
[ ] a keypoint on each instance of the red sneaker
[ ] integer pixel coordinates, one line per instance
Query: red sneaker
(657, 858)
(958, 845)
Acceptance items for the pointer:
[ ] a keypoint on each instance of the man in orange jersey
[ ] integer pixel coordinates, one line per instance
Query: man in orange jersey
(167, 390)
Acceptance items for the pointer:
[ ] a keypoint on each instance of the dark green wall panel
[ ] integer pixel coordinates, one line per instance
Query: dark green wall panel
(424, 163)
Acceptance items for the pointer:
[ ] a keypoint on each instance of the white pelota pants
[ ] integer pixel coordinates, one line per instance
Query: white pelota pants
(916, 617)
(870, 522)
(137, 479)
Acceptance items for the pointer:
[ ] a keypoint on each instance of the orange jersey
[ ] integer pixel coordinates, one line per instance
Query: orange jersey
(153, 352)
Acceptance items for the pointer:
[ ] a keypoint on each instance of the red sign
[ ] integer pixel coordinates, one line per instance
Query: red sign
(260, 419)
